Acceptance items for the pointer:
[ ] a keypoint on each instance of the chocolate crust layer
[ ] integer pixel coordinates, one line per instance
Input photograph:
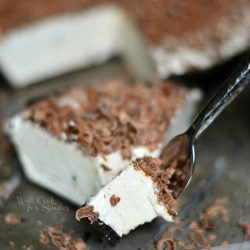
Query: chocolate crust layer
(109, 117)
(107, 231)
(87, 212)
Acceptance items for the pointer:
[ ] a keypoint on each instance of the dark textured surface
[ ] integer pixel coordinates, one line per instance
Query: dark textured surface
(223, 171)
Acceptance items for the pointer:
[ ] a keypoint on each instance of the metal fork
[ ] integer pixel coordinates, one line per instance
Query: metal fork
(180, 151)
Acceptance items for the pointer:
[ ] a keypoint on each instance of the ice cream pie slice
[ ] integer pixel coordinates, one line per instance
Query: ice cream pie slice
(75, 142)
(142, 192)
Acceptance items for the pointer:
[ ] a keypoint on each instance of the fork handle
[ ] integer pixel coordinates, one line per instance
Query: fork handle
(223, 97)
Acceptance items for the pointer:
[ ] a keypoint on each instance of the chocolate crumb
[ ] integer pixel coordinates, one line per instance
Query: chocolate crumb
(165, 243)
(216, 210)
(206, 222)
(158, 20)
(185, 246)
(199, 240)
(200, 229)
(114, 200)
(246, 228)
(87, 212)
(212, 237)
(61, 240)
(12, 219)
(44, 236)
(224, 243)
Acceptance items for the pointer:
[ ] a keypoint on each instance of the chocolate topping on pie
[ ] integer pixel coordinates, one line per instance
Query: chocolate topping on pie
(158, 19)
(161, 176)
(114, 116)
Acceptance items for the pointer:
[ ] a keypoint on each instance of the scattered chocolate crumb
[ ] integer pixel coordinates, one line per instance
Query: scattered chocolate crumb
(174, 229)
(109, 117)
(61, 240)
(196, 226)
(246, 228)
(12, 219)
(199, 240)
(161, 176)
(206, 222)
(224, 243)
(114, 200)
(208, 217)
(44, 236)
(212, 237)
(80, 245)
(185, 246)
(216, 210)
(200, 228)
(165, 243)
(87, 212)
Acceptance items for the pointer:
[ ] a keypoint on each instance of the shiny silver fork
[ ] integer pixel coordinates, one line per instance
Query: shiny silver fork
(180, 151)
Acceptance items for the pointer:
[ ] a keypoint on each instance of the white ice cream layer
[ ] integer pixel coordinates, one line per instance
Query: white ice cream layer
(63, 168)
(138, 202)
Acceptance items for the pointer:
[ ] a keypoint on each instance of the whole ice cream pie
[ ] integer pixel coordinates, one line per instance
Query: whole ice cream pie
(41, 40)
(76, 142)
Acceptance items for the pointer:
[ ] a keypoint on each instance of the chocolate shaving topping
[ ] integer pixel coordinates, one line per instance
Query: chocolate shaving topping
(87, 212)
(61, 240)
(161, 176)
(113, 116)
(114, 200)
